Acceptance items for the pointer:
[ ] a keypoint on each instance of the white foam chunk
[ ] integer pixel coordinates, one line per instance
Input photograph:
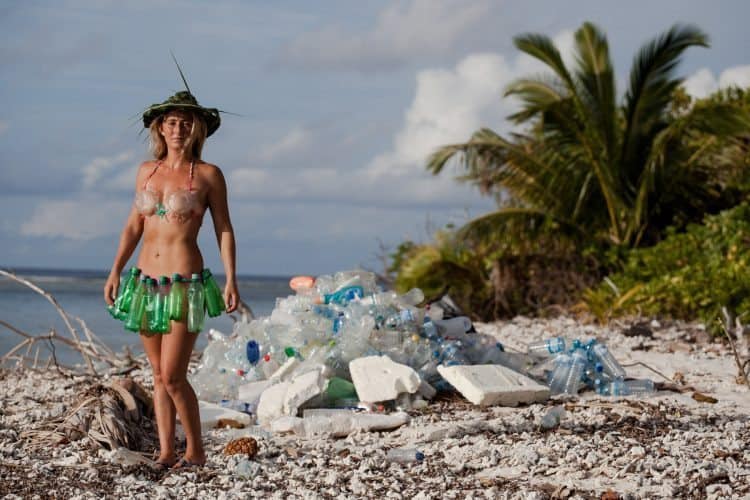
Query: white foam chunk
(285, 398)
(211, 413)
(378, 378)
(287, 424)
(271, 404)
(285, 370)
(340, 425)
(493, 385)
(303, 388)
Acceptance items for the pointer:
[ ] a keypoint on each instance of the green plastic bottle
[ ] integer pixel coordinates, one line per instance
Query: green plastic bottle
(119, 310)
(137, 306)
(161, 311)
(214, 301)
(196, 304)
(339, 388)
(177, 299)
(149, 321)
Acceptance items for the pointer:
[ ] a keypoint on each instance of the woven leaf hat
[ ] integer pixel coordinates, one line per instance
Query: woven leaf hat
(183, 99)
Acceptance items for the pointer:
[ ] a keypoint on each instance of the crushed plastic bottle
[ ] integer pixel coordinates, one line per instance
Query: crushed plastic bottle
(548, 347)
(404, 455)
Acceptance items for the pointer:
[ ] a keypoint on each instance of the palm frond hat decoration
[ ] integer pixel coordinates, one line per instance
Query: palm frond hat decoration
(183, 99)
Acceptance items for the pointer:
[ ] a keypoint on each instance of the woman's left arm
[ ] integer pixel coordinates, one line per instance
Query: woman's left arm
(217, 202)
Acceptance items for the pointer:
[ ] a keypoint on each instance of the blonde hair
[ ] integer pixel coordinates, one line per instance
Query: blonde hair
(195, 140)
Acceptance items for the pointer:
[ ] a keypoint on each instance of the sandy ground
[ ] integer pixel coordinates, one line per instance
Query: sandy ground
(669, 445)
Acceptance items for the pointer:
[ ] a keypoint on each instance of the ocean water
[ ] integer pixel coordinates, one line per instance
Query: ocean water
(80, 294)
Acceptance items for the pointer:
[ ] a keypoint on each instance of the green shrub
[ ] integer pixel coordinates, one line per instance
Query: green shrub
(688, 275)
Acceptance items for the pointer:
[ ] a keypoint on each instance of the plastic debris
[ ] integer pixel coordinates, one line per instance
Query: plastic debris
(577, 365)
(330, 321)
(404, 455)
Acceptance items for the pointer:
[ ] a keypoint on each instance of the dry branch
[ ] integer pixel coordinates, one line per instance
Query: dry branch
(740, 364)
(91, 349)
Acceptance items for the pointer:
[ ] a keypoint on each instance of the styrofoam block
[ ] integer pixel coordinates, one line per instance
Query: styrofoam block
(285, 370)
(271, 404)
(211, 413)
(287, 424)
(378, 378)
(493, 384)
(340, 425)
(303, 388)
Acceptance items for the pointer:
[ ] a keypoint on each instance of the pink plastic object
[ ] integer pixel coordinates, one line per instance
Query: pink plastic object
(301, 282)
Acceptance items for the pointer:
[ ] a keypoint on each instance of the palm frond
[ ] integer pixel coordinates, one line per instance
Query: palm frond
(536, 94)
(650, 91)
(596, 77)
(542, 48)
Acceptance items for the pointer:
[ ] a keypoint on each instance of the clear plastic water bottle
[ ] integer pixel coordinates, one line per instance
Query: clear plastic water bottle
(548, 347)
(412, 297)
(619, 387)
(560, 373)
(453, 327)
(404, 455)
(452, 354)
(573, 380)
(196, 304)
(610, 364)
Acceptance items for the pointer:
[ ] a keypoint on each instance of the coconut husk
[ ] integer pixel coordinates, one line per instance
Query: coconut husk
(117, 415)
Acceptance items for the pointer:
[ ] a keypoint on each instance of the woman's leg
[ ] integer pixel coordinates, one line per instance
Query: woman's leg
(176, 348)
(163, 407)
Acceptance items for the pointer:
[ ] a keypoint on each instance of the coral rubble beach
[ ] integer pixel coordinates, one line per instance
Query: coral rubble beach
(690, 441)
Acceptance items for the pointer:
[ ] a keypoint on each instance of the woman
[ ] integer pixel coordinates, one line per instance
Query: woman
(173, 192)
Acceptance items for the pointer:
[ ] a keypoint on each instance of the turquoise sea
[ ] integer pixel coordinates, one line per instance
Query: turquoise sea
(80, 294)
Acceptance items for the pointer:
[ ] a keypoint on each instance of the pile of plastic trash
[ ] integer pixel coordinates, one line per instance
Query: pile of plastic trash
(332, 320)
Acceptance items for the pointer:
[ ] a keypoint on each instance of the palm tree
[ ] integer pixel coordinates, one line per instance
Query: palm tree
(596, 169)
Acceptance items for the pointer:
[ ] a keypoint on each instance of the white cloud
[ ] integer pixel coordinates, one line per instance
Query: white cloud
(403, 30)
(737, 75)
(101, 166)
(294, 141)
(703, 82)
(448, 106)
(76, 219)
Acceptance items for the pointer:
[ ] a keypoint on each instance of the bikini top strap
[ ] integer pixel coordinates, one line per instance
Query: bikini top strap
(190, 181)
(145, 183)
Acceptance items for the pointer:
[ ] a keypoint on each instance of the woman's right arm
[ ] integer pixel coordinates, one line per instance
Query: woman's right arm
(129, 238)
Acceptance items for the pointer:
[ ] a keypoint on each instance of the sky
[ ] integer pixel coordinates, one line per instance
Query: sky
(339, 104)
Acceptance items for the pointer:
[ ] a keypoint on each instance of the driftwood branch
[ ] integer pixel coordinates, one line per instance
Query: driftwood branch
(93, 348)
(740, 364)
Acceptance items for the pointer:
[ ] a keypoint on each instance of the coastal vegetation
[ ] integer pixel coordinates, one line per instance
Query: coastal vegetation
(593, 192)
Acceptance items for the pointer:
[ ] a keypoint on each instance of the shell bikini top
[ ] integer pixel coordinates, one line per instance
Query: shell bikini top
(179, 206)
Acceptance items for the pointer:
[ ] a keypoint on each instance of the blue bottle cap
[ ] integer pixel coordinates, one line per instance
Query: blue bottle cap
(252, 350)
(419, 456)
